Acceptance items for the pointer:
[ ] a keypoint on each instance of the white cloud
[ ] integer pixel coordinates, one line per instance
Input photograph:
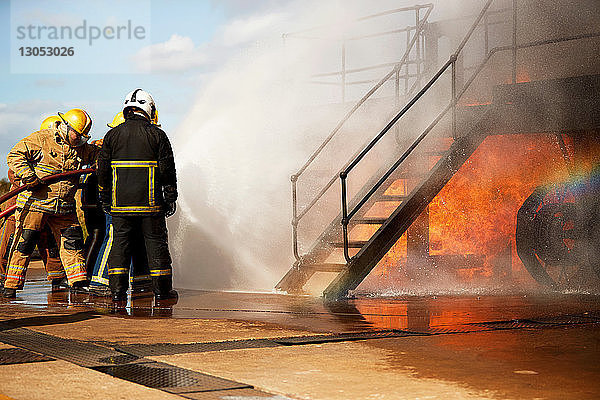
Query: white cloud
(176, 54)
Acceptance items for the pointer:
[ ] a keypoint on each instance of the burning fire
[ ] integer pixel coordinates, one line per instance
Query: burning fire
(475, 213)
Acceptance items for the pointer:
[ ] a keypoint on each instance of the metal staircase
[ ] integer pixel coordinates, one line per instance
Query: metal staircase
(427, 163)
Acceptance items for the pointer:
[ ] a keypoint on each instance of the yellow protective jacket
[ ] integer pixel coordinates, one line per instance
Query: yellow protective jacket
(45, 153)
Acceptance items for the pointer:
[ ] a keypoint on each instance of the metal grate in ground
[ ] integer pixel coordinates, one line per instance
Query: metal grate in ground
(343, 337)
(573, 319)
(77, 352)
(41, 320)
(447, 330)
(542, 322)
(512, 324)
(169, 378)
(21, 356)
(161, 349)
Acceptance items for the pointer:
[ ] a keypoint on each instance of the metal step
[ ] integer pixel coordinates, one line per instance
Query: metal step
(351, 245)
(401, 219)
(392, 197)
(434, 152)
(326, 267)
(368, 221)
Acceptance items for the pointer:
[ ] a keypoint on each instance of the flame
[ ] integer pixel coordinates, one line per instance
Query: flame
(472, 221)
(476, 212)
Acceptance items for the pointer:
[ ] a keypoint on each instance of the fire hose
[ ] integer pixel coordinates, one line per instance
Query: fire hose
(45, 180)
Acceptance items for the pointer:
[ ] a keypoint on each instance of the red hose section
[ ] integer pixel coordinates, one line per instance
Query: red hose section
(47, 179)
(8, 211)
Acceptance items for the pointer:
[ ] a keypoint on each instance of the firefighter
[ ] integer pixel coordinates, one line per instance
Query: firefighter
(43, 153)
(138, 187)
(140, 274)
(46, 245)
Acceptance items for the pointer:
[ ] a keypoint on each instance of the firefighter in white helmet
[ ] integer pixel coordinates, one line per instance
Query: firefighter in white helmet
(139, 275)
(41, 154)
(138, 187)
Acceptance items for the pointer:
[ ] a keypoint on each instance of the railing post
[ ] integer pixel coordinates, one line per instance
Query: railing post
(345, 221)
(453, 59)
(397, 88)
(514, 42)
(406, 76)
(294, 180)
(487, 33)
(343, 71)
(417, 44)
(397, 103)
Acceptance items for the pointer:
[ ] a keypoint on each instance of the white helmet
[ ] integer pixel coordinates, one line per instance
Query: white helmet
(142, 100)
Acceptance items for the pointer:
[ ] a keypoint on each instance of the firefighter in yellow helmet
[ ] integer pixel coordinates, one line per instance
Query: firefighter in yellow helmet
(50, 122)
(117, 120)
(43, 153)
(46, 245)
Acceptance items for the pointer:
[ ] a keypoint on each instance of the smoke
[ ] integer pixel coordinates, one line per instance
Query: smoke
(255, 121)
(252, 125)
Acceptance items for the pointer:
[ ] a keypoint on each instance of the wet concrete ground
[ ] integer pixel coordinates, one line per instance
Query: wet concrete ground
(446, 347)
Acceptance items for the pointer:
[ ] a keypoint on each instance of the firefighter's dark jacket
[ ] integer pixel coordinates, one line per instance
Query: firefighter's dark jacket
(136, 169)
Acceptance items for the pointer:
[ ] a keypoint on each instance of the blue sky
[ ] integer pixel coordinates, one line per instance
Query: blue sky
(187, 42)
(27, 98)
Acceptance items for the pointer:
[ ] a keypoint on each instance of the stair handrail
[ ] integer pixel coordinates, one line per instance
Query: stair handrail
(344, 174)
(452, 106)
(296, 217)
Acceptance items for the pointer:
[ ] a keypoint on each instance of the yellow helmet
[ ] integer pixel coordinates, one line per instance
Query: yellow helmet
(78, 120)
(50, 122)
(117, 120)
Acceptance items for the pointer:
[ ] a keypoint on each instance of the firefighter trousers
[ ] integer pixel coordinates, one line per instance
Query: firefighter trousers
(7, 233)
(154, 231)
(46, 245)
(140, 275)
(66, 231)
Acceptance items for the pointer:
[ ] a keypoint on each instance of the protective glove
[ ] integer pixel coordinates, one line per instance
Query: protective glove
(170, 209)
(105, 198)
(170, 193)
(105, 208)
(35, 183)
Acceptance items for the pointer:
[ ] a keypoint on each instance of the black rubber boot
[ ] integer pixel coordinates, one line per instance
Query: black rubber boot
(9, 293)
(119, 297)
(170, 295)
(100, 291)
(141, 287)
(59, 284)
(80, 287)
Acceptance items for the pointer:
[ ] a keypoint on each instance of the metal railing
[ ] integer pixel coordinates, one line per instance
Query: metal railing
(395, 73)
(514, 47)
(344, 73)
